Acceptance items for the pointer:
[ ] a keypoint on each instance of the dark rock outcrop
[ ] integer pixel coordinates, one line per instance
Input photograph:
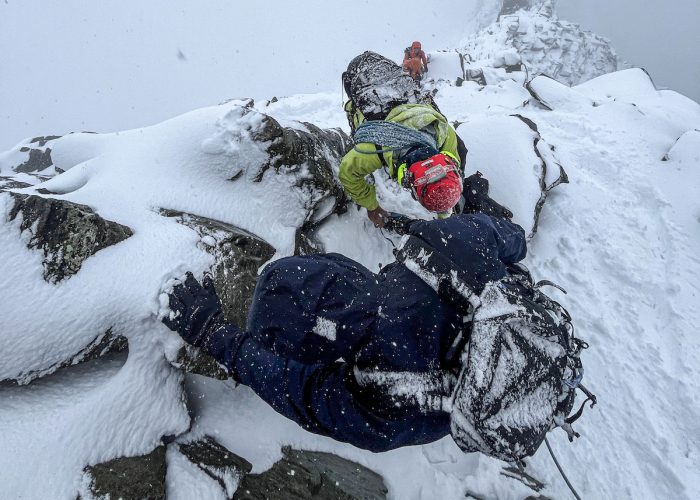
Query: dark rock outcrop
(192, 360)
(7, 183)
(39, 156)
(220, 464)
(312, 475)
(298, 475)
(315, 150)
(141, 477)
(511, 6)
(239, 254)
(67, 233)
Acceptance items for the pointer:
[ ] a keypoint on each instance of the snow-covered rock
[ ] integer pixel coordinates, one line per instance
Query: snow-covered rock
(87, 252)
(545, 44)
(67, 233)
(308, 474)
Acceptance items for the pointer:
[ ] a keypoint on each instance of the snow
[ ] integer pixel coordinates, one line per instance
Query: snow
(545, 44)
(621, 237)
(325, 328)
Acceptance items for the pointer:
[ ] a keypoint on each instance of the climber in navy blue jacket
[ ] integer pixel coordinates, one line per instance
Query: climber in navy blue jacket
(321, 325)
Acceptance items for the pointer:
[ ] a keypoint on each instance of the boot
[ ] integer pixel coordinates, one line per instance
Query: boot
(475, 198)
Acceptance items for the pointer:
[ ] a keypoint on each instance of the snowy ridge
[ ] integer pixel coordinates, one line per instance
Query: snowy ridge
(545, 44)
(621, 237)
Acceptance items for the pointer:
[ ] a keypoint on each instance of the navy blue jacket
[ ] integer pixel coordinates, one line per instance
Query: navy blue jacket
(316, 319)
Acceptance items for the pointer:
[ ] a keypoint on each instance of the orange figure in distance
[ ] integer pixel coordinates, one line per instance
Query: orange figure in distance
(414, 61)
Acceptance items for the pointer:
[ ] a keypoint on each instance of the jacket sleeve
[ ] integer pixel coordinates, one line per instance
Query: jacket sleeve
(317, 397)
(510, 239)
(353, 170)
(450, 144)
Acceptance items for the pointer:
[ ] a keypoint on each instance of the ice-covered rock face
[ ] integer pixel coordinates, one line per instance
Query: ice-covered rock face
(529, 33)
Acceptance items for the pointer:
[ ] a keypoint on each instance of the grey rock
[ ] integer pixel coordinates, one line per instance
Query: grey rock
(312, 475)
(39, 156)
(316, 150)
(7, 183)
(141, 477)
(512, 6)
(217, 462)
(238, 253)
(546, 45)
(192, 360)
(67, 233)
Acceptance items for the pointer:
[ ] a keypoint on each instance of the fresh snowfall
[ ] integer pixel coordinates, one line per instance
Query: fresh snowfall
(90, 374)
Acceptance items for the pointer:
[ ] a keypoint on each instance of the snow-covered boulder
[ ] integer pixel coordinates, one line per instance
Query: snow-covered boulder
(66, 233)
(271, 183)
(508, 150)
(91, 234)
(32, 157)
(554, 95)
(445, 66)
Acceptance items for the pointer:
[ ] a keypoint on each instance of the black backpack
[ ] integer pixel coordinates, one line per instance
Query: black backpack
(517, 359)
(376, 85)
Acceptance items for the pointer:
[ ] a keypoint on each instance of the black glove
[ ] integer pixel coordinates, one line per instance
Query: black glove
(398, 223)
(476, 199)
(197, 310)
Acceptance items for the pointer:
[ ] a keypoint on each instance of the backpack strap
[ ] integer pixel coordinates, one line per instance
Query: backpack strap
(380, 153)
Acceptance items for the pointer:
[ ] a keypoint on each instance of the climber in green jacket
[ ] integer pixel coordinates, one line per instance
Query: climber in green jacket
(363, 159)
(398, 127)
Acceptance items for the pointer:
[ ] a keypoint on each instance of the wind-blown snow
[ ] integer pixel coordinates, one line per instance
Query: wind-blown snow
(622, 238)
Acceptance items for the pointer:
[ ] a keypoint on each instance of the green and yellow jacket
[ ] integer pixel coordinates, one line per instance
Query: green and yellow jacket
(356, 165)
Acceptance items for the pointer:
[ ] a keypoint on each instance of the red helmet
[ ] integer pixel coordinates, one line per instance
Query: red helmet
(434, 182)
(416, 45)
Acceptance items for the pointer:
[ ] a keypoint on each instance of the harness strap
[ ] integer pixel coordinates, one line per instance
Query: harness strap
(589, 397)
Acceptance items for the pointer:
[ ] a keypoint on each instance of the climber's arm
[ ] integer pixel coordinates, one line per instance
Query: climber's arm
(353, 170)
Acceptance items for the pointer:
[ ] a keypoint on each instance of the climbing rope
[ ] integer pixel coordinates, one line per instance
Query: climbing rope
(392, 136)
(561, 471)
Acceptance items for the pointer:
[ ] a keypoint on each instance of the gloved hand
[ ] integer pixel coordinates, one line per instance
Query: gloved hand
(196, 310)
(378, 216)
(399, 223)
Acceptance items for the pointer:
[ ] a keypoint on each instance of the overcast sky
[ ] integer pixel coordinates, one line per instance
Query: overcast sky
(112, 65)
(663, 36)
